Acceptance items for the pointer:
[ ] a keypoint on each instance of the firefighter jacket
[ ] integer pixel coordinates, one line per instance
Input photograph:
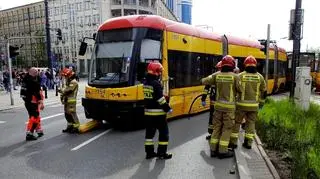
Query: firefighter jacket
(253, 88)
(69, 93)
(227, 86)
(30, 89)
(155, 102)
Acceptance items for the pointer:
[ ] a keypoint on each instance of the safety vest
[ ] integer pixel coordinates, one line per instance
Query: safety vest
(252, 84)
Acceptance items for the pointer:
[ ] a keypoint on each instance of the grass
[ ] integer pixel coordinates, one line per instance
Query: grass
(285, 127)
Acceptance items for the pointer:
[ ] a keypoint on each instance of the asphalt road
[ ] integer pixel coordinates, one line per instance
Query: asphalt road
(103, 153)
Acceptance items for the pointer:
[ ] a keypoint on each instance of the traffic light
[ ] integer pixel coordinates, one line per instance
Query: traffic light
(59, 34)
(83, 48)
(264, 44)
(14, 51)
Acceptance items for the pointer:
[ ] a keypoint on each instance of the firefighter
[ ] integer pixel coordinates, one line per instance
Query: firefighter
(252, 97)
(227, 86)
(33, 99)
(156, 109)
(210, 90)
(69, 100)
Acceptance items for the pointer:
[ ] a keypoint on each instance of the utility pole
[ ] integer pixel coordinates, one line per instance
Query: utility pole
(48, 34)
(267, 54)
(296, 35)
(10, 72)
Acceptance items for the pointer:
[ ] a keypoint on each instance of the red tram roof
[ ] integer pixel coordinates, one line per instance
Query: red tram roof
(158, 22)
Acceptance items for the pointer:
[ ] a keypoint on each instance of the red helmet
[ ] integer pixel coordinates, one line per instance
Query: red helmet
(155, 68)
(67, 72)
(218, 66)
(250, 61)
(228, 60)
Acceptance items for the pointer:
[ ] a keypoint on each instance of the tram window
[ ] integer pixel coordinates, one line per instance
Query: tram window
(186, 68)
(261, 67)
(240, 63)
(271, 69)
(282, 68)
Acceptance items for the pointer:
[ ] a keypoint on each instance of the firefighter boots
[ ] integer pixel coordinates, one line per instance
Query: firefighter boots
(30, 136)
(213, 154)
(151, 155)
(165, 156)
(228, 154)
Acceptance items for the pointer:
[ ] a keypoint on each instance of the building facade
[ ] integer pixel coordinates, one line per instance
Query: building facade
(181, 9)
(81, 18)
(24, 22)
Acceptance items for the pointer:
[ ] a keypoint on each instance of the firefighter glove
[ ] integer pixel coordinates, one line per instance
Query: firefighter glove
(203, 103)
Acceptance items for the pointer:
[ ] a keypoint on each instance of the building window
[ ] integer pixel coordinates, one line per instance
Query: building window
(116, 2)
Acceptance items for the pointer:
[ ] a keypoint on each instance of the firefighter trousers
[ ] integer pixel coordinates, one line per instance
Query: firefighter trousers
(154, 123)
(251, 117)
(34, 121)
(222, 127)
(71, 115)
(210, 126)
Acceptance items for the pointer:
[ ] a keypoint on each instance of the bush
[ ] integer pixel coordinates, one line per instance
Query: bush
(283, 126)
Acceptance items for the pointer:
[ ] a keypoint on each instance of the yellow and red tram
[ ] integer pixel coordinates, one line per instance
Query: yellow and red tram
(125, 45)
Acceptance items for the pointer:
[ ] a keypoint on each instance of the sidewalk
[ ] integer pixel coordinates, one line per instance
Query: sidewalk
(254, 163)
(5, 101)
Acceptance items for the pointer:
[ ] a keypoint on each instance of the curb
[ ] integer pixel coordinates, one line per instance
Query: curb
(8, 108)
(242, 165)
(266, 158)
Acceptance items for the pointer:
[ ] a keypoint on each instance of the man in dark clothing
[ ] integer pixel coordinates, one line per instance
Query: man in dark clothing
(33, 98)
(156, 108)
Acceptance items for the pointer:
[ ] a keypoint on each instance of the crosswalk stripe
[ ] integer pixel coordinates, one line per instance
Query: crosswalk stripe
(90, 140)
(1, 122)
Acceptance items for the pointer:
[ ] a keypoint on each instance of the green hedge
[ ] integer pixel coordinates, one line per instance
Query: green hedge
(284, 127)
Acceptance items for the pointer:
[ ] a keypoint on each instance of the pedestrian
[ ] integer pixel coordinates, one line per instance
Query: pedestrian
(227, 86)
(14, 79)
(251, 97)
(33, 99)
(212, 92)
(43, 83)
(69, 100)
(156, 109)
(6, 80)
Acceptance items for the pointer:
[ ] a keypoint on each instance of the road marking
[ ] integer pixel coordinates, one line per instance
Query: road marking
(48, 117)
(1, 122)
(90, 140)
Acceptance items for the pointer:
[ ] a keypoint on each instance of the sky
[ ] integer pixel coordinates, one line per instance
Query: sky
(250, 18)
(247, 18)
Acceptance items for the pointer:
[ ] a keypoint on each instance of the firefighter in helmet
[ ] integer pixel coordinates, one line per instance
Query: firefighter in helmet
(156, 109)
(69, 100)
(212, 92)
(250, 99)
(33, 98)
(227, 86)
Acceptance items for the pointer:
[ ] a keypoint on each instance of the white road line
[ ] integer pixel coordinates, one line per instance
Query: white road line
(1, 122)
(48, 117)
(90, 140)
